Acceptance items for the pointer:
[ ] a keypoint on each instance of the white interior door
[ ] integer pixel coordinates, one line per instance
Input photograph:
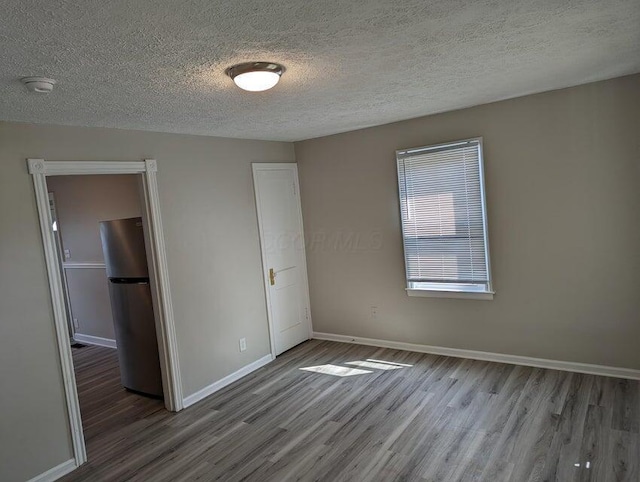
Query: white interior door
(283, 255)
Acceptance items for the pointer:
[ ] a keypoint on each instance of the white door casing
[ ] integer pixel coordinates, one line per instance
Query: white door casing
(283, 254)
(167, 344)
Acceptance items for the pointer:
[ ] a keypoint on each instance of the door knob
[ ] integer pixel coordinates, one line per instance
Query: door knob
(272, 276)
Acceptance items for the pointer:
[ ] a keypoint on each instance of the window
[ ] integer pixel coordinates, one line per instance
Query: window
(444, 222)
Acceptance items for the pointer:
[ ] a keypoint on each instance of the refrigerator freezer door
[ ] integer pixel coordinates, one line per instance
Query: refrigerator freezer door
(136, 337)
(123, 248)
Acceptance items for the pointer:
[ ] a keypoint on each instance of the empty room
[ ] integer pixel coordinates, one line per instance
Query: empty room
(320, 241)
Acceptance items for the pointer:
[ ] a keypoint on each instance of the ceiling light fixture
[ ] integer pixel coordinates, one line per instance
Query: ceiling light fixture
(255, 76)
(39, 85)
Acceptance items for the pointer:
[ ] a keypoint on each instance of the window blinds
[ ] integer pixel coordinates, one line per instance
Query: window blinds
(442, 208)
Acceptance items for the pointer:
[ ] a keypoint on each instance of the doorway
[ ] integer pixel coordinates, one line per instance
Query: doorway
(160, 293)
(79, 205)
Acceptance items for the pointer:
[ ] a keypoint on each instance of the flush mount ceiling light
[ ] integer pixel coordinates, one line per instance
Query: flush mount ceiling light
(255, 76)
(39, 85)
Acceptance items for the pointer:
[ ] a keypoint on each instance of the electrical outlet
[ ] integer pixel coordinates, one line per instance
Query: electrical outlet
(374, 312)
(76, 325)
(67, 254)
(243, 344)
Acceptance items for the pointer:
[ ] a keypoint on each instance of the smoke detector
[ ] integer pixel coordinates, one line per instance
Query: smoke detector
(39, 85)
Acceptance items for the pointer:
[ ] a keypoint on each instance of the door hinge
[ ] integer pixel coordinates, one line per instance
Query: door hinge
(295, 192)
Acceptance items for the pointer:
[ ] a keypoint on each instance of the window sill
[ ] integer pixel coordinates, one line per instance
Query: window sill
(469, 295)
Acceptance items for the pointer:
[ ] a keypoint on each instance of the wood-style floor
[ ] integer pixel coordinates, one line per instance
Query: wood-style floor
(395, 416)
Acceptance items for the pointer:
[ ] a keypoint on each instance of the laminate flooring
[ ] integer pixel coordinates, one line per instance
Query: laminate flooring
(331, 411)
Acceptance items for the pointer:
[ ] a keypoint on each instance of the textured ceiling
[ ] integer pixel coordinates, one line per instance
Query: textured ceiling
(158, 65)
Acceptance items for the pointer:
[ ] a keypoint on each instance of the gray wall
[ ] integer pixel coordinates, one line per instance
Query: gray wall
(563, 195)
(90, 304)
(81, 203)
(211, 234)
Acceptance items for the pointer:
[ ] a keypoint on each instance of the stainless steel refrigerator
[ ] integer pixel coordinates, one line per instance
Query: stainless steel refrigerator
(133, 319)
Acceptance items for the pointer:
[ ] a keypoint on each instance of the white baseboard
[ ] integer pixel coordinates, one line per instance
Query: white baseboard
(606, 371)
(229, 379)
(94, 340)
(56, 472)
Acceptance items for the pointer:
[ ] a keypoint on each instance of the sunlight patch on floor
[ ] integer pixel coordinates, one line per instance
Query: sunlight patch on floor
(389, 362)
(376, 365)
(340, 371)
(336, 370)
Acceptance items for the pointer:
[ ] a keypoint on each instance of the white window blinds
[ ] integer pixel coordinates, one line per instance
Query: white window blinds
(443, 216)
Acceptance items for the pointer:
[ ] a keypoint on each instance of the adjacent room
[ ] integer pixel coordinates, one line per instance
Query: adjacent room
(320, 241)
(100, 240)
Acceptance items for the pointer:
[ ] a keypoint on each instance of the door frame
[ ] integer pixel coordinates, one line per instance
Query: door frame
(57, 237)
(270, 166)
(167, 343)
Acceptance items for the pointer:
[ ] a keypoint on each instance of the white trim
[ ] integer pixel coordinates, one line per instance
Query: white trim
(167, 340)
(483, 198)
(56, 472)
(74, 265)
(266, 166)
(94, 340)
(73, 168)
(469, 295)
(228, 380)
(39, 169)
(617, 372)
